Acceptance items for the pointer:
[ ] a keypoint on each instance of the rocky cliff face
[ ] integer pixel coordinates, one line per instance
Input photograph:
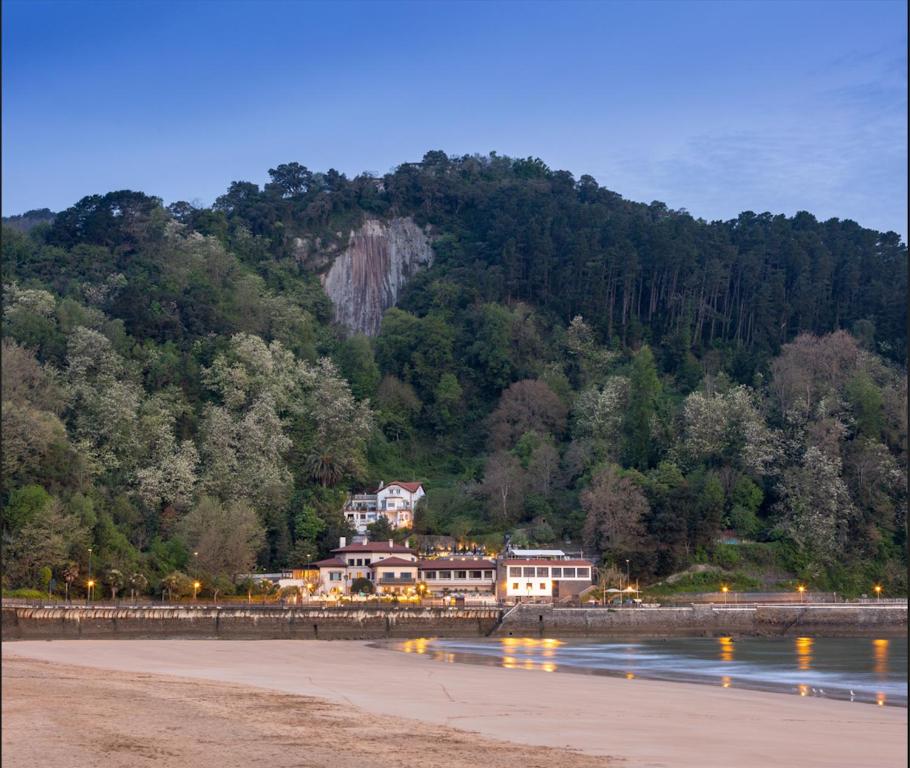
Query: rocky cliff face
(367, 278)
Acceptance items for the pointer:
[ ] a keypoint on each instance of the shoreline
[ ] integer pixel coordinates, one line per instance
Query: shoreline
(636, 722)
(745, 684)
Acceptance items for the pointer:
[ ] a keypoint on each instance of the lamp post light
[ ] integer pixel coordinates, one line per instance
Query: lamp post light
(91, 583)
(628, 575)
(196, 586)
(878, 591)
(725, 589)
(802, 591)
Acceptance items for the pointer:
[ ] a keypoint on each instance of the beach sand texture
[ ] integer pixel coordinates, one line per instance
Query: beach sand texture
(308, 703)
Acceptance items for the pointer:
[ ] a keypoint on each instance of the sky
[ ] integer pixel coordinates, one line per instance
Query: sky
(715, 107)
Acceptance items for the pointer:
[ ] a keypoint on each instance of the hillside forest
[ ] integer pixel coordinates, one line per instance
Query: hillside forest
(574, 370)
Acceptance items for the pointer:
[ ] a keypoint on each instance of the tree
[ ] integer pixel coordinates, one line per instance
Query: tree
(504, 486)
(176, 583)
(226, 536)
(114, 579)
(358, 365)
(381, 530)
(644, 390)
(70, 574)
(138, 583)
(615, 509)
(399, 407)
(815, 507)
(362, 586)
(528, 405)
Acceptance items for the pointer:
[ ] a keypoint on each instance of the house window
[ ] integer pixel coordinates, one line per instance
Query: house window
(543, 572)
(514, 585)
(350, 561)
(488, 574)
(461, 574)
(568, 573)
(528, 572)
(334, 576)
(430, 575)
(543, 587)
(476, 574)
(513, 571)
(584, 573)
(445, 574)
(557, 573)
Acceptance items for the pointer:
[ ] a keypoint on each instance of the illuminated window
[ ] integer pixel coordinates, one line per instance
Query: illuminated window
(334, 576)
(514, 585)
(543, 586)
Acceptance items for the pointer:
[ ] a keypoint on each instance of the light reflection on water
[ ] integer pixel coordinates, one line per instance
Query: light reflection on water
(863, 670)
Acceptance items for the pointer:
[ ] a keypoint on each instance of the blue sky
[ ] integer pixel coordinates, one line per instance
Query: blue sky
(714, 107)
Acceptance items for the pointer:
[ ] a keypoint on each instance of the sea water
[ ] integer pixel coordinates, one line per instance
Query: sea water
(865, 670)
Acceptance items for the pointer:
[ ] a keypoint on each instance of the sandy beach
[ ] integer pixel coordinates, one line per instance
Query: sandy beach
(309, 703)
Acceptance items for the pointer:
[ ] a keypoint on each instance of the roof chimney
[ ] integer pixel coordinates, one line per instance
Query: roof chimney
(342, 542)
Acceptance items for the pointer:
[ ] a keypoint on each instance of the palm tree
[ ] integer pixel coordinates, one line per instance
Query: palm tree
(70, 574)
(138, 583)
(114, 579)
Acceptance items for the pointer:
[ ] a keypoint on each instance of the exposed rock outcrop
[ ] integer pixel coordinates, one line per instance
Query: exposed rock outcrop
(367, 278)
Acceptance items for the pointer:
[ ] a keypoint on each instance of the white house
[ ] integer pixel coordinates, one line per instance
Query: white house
(542, 577)
(394, 501)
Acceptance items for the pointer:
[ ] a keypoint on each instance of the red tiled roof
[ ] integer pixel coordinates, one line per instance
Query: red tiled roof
(445, 563)
(543, 563)
(375, 546)
(331, 562)
(393, 561)
(409, 487)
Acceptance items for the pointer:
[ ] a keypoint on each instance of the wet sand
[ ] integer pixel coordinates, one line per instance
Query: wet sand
(310, 703)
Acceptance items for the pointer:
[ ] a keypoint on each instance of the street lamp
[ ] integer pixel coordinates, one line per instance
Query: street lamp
(196, 586)
(91, 583)
(725, 589)
(801, 589)
(878, 591)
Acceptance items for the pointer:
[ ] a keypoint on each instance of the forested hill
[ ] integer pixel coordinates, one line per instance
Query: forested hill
(572, 367)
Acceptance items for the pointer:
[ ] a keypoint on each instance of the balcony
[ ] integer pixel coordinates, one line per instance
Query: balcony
(387, 580)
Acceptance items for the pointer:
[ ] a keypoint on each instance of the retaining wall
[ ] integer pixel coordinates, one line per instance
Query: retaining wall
(62, 622)
(706, 620)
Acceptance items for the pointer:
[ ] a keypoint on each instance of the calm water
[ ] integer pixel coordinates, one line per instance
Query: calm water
(869, 670)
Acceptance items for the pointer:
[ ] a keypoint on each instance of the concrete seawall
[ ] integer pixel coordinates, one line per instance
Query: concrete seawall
(73, 622)
(707, 620)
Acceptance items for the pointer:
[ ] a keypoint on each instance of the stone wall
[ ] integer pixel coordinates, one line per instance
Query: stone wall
(705, 620)
(62, 622)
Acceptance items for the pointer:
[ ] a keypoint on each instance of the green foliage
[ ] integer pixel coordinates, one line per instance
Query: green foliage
(161, 363)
